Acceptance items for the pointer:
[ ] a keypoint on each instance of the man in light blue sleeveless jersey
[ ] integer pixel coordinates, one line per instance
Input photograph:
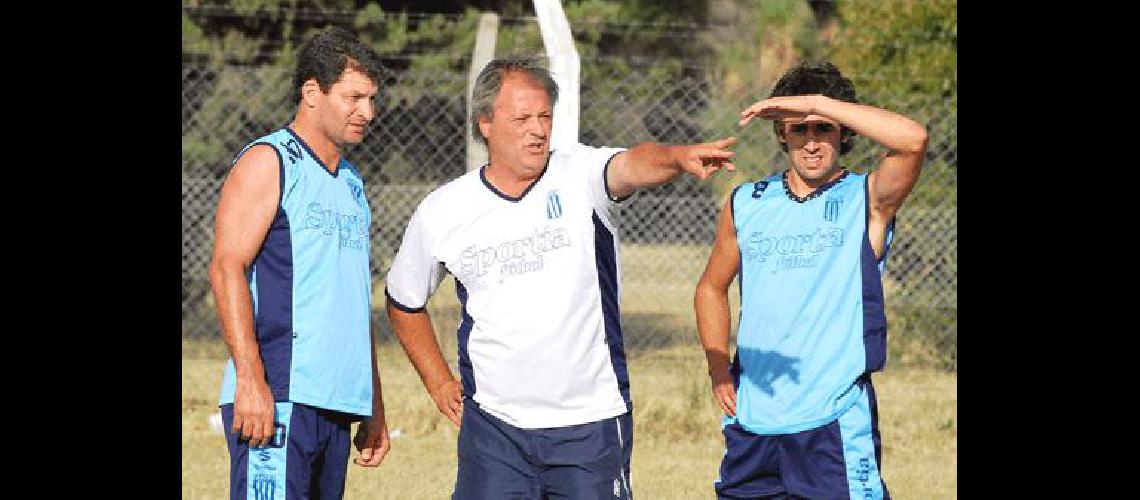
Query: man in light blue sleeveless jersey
(291, 278)
(808, 245)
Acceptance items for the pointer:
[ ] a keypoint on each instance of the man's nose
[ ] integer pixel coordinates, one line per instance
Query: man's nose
(368, 111)
(534, 127)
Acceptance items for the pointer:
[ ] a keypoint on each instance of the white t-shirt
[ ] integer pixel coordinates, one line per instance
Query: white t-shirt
(540, 343)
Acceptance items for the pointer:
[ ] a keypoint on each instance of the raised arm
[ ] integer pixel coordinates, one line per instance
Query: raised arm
(246, 209)
(891, 182)
(650, 164)
(711, 303)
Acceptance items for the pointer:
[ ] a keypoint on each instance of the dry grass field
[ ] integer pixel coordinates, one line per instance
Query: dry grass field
(677, 440)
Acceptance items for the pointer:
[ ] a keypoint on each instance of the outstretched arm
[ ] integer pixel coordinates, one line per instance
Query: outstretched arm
(711, 303)
(650, 164)
(418, 338)
(904, 138)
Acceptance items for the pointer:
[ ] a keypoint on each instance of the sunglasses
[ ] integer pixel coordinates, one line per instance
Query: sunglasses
(819, 128)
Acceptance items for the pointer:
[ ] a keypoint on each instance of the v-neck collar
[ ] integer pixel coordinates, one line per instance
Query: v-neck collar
(486, 182)
(814, 194)
(314, 155)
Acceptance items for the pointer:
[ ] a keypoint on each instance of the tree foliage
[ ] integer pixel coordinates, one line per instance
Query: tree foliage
(909, 46)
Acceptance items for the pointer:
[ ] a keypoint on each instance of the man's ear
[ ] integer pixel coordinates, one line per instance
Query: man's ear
(485, 126)
(845, 145)
(309, 91)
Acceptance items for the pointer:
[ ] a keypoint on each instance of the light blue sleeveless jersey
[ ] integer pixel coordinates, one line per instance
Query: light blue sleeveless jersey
(811, 317)
(311, 285)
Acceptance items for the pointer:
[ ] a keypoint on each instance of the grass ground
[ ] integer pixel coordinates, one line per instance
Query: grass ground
(677, 441)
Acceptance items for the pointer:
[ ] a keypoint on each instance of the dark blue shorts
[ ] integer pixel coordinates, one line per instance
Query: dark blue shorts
(839, 460)
(308, 457)
(499, 461)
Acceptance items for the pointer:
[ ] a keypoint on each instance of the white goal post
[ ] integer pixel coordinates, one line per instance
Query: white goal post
(564, 66)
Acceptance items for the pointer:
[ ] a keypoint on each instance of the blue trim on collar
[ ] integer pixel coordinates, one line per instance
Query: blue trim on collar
(314, 155)
(483, 177)
(814, 194)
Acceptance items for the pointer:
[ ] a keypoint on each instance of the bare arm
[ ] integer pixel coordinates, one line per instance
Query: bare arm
(246, 209)
(650, 164)
(418, 338)
(898, 171)
(711, 303)
(372, 439)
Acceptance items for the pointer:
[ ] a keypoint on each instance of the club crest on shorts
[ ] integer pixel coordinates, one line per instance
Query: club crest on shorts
(553, 205)
(263, 486)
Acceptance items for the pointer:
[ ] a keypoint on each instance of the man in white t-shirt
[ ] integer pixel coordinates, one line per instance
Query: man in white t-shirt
(543, 403)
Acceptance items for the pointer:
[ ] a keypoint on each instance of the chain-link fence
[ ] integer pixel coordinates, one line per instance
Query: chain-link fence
(417, 143)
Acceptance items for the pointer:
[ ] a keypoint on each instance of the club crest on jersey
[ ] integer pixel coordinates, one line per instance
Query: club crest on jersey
(758, 188)
(831, 210)
(357, 192)
(553, 205)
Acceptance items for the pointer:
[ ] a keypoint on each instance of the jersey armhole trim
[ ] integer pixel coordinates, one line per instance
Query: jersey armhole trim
(732, 208)
(606, 183)
(402, 307)
(280, 171)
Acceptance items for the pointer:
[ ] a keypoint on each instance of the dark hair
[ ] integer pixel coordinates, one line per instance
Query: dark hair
(328, 54)
(490, 82)
(816, 77)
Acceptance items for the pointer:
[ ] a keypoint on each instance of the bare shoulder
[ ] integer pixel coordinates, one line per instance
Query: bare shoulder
(257, 157)
(255, 176)
(258, 164)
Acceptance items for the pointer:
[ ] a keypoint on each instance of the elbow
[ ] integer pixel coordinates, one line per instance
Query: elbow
(701, 288)
(916, 145)
(705, 290)
(215, 272)
(220, 269)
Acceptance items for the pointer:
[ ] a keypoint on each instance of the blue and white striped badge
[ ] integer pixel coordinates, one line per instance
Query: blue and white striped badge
(553, 205)
(831, 209)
